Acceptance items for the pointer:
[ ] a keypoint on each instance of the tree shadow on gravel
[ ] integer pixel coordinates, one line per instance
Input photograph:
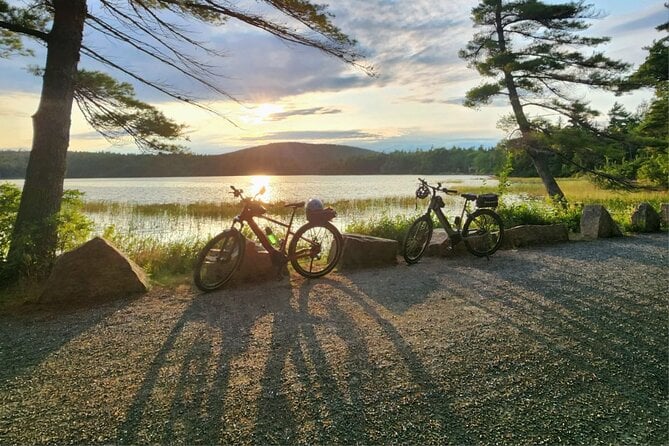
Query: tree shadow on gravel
(599, 324)
(30, 333)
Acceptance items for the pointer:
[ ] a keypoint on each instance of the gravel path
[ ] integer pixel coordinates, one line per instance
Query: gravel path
(559, 344)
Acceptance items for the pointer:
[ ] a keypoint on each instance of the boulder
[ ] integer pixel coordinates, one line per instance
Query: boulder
(596, 222)
(645, 218)
(362, 251)
(664, 214)
(94, 272)
(256, 266)
(440, 245)
(527, 235)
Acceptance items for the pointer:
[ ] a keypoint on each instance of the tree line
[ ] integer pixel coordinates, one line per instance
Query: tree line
(454, 160)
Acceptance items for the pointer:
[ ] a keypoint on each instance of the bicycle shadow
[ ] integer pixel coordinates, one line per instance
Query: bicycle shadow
(316, 361)
(186, 390)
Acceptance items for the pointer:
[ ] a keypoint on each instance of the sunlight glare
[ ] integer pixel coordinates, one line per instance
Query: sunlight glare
(262, 113)
(258, 182)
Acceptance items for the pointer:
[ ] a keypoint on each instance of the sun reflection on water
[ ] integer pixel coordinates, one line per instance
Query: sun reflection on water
(257, 183)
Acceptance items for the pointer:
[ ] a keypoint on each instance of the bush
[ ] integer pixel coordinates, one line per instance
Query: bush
(392, 228)
(74, 227)
(540, 213)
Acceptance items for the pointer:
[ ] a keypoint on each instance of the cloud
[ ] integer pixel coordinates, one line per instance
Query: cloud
(649, 19)
(303, 112)
(314, 135)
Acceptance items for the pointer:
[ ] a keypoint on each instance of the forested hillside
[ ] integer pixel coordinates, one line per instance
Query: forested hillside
(271, 159)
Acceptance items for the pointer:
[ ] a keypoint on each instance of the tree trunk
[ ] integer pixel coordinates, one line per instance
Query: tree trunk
(34, 239)
(538, 158)
(541, 165)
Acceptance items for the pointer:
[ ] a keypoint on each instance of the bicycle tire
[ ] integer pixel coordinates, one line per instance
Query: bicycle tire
(417, 239)
(218, 260)
(483, 232)
(314, 237)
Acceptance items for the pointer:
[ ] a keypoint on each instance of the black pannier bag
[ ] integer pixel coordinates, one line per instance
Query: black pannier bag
(321, 215)
(487, 201)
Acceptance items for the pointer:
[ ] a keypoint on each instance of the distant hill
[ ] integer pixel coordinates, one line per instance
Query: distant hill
(289, 158)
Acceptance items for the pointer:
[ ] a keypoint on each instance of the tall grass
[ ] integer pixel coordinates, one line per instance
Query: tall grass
(159, 258)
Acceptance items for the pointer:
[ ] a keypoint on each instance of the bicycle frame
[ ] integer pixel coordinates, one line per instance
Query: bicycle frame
(252, 209)
(247, 216)
(436, 205)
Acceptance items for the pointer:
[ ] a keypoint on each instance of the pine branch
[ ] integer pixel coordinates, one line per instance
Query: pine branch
(20, 29)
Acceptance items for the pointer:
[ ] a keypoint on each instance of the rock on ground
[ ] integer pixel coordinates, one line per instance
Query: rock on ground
(596, 222)
(362, 251)
(527, 235)
(645, 218)
(94, 272)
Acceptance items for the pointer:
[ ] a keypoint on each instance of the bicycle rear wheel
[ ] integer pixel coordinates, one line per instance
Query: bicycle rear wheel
(483, 232)
(417, 239)
(315, 249)
(218, 260)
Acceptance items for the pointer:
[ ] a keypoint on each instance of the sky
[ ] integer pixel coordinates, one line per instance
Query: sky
(285, 92)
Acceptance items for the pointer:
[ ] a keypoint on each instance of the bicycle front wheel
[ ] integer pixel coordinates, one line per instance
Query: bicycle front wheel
(483, 232)
(417, 239)
(315, 249)
(218, 260)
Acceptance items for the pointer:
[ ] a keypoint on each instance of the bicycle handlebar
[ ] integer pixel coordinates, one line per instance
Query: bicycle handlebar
(438, 187)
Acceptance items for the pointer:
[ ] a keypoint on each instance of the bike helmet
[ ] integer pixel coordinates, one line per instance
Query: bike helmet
(314, 204)
(422, 191)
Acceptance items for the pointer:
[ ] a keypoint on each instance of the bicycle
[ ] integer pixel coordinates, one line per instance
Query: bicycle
(314, 248)
(482, 231)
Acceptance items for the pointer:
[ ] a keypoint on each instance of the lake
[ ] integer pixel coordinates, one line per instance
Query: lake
(279, 188)
(188, 190)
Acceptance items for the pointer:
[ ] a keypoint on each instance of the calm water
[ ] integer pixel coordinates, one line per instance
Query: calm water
(215, 189)
(279, 188)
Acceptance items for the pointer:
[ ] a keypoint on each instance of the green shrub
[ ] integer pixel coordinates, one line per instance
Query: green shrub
(540, 213)
(74, 227)
(384, 226)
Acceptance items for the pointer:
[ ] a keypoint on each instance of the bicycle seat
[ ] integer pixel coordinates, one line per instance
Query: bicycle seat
(294, 205)
(469, 196)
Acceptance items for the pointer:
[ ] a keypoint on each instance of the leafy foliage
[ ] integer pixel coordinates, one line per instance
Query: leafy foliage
(534, 52)
(112, 109)
(74, 227)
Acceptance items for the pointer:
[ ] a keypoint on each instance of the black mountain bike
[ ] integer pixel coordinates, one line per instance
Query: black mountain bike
(482, 231)
(314, 248)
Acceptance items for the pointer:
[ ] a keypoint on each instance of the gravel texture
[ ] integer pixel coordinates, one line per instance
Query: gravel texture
(557, 344)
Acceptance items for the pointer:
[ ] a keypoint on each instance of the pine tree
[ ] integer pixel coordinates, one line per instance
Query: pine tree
(529, 49)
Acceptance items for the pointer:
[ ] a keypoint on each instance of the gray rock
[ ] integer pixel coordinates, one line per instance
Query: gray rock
(596, 222)
(528, 235)
(438, 243)
(362, 251)
(645, 219)
(94, 272)
(441, 245)
(664, 214)
(256, 266)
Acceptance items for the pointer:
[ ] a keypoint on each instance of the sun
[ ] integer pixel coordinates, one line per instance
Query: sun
(262, 113)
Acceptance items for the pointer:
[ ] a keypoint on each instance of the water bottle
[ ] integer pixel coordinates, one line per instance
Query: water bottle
(270, 235)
